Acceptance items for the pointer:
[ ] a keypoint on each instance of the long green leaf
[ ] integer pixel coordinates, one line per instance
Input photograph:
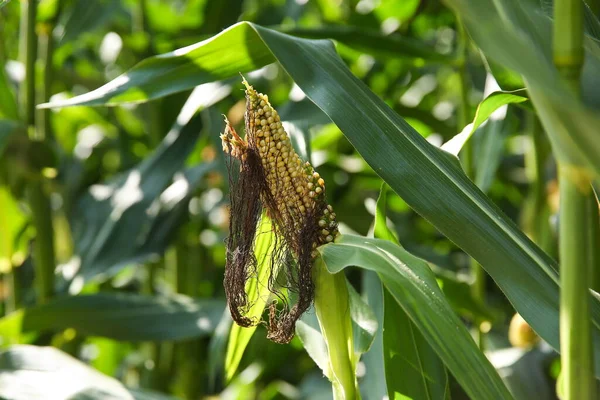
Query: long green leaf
(122, 316)
(413, 286)
(412, 368)
(428, 179)
(132, 216)
(373, 42)
(526, 48)
(46, 373)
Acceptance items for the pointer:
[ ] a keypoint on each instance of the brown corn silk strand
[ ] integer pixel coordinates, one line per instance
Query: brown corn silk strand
(265, 173)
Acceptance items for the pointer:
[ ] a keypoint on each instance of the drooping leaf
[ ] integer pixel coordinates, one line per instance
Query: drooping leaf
(309, 333)
(46, 373)
(413, 286)
(217, 349)
(122, 316)
(428, 179)
(412, 368)
(364, 321)
(133, 216)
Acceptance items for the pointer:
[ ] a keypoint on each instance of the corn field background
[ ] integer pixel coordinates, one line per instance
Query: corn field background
(460, 146)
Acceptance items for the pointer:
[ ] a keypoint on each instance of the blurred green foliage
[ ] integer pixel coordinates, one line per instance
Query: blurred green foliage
(138, 194)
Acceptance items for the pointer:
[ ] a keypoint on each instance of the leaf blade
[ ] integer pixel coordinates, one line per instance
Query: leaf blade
(412, 368)
(413, 286)
(124, 316)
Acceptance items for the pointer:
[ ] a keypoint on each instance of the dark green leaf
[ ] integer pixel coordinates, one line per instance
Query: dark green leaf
(373, 42)
(88, 16)
(124, 316)
(133, 216)
(526, 372)
(412, 368)
(413, 286)
(8, 104)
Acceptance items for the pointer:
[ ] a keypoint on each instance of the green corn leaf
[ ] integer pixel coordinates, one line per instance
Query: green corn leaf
(373, 42)
(428, 179)
(527, 49)
(46, 373)
(121, 316)
(412, 368)
(373, 385)
(112, 225)
(412, 285)
(484, 110)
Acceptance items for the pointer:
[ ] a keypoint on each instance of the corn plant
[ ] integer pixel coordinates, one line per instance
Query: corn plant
(299, 199)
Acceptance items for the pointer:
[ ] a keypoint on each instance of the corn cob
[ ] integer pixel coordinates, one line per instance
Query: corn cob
(273, 177)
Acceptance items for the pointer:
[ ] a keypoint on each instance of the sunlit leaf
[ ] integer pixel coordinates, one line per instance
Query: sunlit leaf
(490, 104)
(413, 286)
(133, 216)
(46, 373)
(257, 290)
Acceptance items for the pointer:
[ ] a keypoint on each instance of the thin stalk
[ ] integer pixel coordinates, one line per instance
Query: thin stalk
(47, 49)
(28, 55)
(2, 39)
(13, 300)
(332, 305)
(140, 23)
(151, 376)
(188, 352)
(537, 211)
(578, 217)
(39, 202)
(595, 234)
(468, 162)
